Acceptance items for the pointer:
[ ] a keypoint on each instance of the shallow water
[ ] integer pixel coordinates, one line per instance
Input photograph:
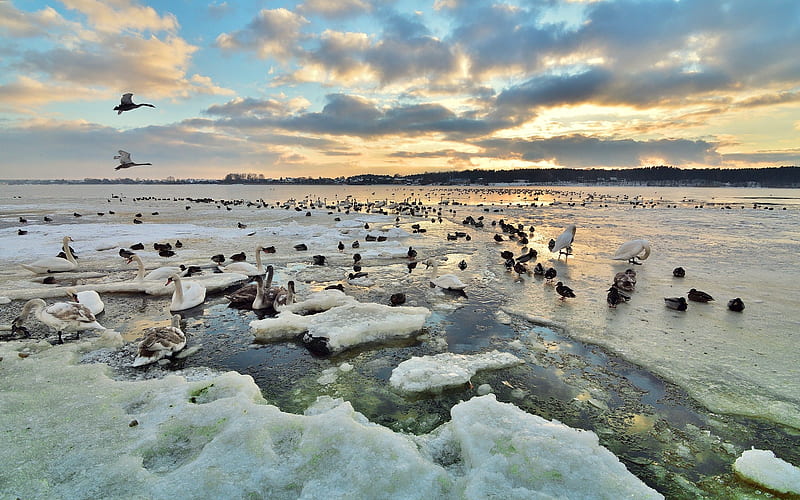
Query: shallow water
(676, 395)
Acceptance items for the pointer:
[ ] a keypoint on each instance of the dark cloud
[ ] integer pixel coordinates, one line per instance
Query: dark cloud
(583, 151)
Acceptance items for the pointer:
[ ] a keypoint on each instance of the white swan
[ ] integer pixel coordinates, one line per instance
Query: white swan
(61, 316)
(446, 281)
(246, 267)
(159, 273)
(160, 341)
(54, 264)
(89, 298)
(632, 250)
(564, 242)
(187, 294)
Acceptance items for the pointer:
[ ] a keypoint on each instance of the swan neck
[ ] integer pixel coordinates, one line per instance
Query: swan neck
(140, 264)
(270, 274)
(178, 287)
(259, 267)
(68, 253)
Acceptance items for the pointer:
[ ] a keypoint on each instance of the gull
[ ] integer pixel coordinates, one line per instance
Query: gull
(125, 160)
(126, 104)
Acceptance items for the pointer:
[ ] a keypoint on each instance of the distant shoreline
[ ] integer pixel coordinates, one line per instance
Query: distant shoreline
(657, 176)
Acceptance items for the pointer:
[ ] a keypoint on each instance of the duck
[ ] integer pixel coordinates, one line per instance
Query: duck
(445, 281)
(246, 267)
(676, 303)
(397, 299)
(679, 272)
(633, 250)
(239, 257)
(623, 281)
(89, 298)
(317, 345)
(126, 104)
(550, 274)
(412, 254)
(506, 254)
(698, 296)
(160, 342)
(218, 258)
(156, 274)
(462, 265)
(54, 264)
(340, 246)
(614, 297)
(563, 244)
(564, 291)
(736, 305)
(187, 294)
(538, 269)
(60, 316)
(531, 255)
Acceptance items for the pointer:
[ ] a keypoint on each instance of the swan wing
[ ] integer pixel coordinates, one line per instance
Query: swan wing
(123, 156)
(127, 98)
(565, 239)
(70, 311)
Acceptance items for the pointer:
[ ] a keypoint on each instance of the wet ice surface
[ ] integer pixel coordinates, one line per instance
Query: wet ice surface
(732, 363)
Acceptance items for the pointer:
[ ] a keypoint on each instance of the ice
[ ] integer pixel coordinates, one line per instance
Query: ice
(346, 325)
(440, 371)
(763, 468)
(217, 437)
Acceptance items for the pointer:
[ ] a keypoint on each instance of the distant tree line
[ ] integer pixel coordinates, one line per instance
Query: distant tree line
(652, 176)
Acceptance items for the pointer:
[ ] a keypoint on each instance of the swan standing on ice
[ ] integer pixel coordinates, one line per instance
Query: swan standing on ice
(187, 294)
(159, 273)
(54, 264)
(563, 244)
(445, 281)
(89, 298)
(126, 104)
(125, 160)
(246, 267)
(632, 250)
(160, 341)
(61, 316)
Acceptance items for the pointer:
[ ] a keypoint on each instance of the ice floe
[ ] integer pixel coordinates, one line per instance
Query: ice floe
(763, 468)
(440, 371)
(216, 437)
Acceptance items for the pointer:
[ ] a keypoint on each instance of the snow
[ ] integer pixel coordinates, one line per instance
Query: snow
(218, 437)
(438, 372)
(763, 468)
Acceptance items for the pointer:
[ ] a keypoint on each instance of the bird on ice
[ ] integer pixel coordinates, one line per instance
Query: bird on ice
(632, 250)
(125, 160)
(126, 104)
(563, 244)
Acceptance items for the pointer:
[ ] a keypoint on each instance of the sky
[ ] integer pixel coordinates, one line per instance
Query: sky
(328, 88)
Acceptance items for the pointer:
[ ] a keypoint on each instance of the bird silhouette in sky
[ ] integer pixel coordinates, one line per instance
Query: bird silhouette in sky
(125, 160)
(126, 104)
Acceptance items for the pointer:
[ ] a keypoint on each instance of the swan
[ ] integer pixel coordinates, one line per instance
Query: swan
(446, 281)
(125, 160)
(246, 267)
(61, 316)
(160, 341)
(54, 264)
(159, 273)
(187, 294)
(89, 298)
(563, 244)
(284, 297)
(126, 104)
(632, 250)
(265, 292)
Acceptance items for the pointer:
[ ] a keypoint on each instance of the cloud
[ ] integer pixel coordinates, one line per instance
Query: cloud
(15, 23)
(272, 33)
(113, 17)
(334, 9)
(580, 151)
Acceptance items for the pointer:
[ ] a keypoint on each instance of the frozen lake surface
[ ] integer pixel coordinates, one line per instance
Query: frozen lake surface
(678, 396)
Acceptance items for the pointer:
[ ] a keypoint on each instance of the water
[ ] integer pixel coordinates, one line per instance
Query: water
(676, 395)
